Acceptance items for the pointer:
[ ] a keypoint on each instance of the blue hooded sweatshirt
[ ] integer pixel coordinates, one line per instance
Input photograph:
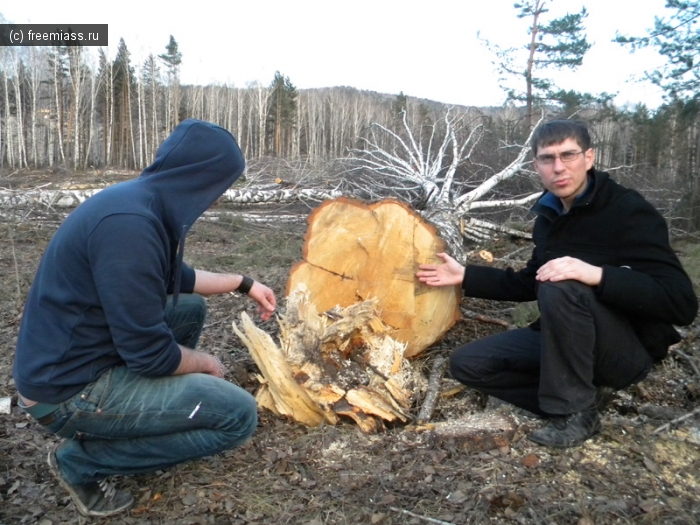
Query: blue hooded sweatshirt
(99, 295)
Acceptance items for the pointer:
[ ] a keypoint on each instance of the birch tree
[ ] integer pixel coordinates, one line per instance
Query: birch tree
(17, 81)
(35, 73)
(427, 176)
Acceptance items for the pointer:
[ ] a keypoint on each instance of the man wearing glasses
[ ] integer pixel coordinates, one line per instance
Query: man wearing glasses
(608, 286)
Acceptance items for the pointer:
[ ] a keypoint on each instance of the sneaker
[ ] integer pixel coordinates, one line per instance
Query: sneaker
(568, 431)
(93, 499)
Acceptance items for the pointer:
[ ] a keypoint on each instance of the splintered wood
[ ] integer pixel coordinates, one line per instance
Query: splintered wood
(355, 251)
(339, 362)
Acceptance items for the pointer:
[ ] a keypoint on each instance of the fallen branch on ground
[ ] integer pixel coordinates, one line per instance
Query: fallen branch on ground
(486, 319)
(677, 420)
(425, 518)
(431, 396)
(688, 359)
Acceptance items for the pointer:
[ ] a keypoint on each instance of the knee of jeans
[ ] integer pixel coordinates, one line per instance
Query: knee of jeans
(251, 416)
(244, 415)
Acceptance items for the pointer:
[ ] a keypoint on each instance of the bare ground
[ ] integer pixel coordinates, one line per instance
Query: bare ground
(290, 474)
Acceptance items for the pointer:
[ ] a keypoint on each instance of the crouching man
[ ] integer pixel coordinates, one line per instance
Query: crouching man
(105, 355)
(608, 286)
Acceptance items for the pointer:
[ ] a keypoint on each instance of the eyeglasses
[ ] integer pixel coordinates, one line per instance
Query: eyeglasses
(567, 156)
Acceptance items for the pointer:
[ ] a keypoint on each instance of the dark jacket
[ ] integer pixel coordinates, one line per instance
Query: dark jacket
(100, 291)
(617, 229)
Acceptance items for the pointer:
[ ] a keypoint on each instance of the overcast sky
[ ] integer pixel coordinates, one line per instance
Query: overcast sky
(427, 49)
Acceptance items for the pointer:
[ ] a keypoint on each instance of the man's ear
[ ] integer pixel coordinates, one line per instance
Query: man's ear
(589, 155)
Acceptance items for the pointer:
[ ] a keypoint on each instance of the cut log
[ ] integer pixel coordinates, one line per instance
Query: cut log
(355, 251)
(431, 397)
(339, 363)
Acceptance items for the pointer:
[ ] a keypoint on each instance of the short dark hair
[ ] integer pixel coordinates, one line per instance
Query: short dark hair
(557, 131)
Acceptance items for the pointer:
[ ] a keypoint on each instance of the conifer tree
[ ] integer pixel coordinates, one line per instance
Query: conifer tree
(172, 58)
(400, 104)
(555, 44)
(677, 38)
(281, 115)
(124, 85)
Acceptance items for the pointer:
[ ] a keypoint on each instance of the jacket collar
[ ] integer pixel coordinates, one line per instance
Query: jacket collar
(551, 207)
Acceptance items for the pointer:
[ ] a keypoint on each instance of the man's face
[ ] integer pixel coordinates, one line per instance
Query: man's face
(566, 180)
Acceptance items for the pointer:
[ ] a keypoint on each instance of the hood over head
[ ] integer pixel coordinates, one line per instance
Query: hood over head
(193, 167)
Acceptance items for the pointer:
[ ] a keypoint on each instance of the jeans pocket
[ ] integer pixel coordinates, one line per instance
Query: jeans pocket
(91, 398)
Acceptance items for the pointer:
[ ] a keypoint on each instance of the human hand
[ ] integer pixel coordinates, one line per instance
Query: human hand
(565, 268)
(194, 361)
(265, 298)
(449, 273)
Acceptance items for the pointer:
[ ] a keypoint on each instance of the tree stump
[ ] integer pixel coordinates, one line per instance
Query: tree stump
(355, 312)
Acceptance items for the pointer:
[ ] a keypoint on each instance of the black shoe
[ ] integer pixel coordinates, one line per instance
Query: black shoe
(603, 396)
(568, 431)
(93, 499)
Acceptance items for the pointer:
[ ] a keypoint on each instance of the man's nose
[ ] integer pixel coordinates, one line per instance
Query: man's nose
(558, 163)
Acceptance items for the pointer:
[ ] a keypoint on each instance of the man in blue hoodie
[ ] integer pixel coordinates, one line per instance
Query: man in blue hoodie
(105, 355)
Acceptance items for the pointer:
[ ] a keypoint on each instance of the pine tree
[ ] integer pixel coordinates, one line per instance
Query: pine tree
(399, 104)
(123, 88)
(678, 39)
(172, 58)
(281, 115)
(554, 45)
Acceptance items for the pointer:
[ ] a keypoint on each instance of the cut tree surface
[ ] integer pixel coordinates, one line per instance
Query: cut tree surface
(356, 251)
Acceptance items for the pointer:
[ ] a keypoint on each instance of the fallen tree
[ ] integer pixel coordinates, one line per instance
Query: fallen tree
(70, 198)
(426, 172)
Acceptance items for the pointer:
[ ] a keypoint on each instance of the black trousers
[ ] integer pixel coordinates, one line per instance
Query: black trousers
(581, 344)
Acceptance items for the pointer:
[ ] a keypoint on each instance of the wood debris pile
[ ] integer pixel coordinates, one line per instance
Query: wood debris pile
(341, 362)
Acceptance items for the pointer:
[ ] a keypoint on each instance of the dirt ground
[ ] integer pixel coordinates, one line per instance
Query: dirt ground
(290, 474)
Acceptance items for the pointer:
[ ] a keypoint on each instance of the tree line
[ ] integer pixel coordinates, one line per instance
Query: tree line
(78, 108)
(72, 107)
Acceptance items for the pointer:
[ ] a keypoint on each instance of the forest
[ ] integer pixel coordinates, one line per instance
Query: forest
(75, 108)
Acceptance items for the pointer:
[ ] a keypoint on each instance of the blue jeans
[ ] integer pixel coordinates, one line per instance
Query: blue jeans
(128, 424)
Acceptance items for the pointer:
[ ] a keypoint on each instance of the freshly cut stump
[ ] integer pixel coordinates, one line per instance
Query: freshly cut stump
(355, 251)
